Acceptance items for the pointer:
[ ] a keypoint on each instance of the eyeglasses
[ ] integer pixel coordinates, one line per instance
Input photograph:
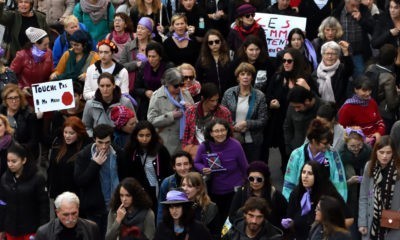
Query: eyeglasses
(16, 98)
(219, 130)
(188, 78)
(178, 85)
(216, 42)
(290, 61)
(255, 179)
(355, 147)
(250, 15)
(330, 54)
(118, 20)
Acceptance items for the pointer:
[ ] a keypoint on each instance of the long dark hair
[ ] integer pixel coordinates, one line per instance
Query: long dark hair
(29, 168)
(300, 67)
(383, 142)
(188, 215)
(333, 217)
(77, 125)
(134, 145)
(252, 39)
(205, 52)
(141, 199)
(212, 123)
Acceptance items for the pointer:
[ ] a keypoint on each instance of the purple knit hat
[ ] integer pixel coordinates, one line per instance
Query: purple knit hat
(245, 9)
(176, 197)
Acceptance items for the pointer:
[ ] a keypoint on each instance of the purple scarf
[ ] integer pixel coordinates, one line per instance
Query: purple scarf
(306, 202)
(5, 141)
(153, 79)
(183, 38)
(320, 157)
(37, 54)
(356, 100)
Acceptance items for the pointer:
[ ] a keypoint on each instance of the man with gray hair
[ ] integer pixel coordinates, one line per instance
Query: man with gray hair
(68, 225)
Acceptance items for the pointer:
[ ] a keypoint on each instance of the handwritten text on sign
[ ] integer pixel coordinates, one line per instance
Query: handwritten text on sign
(54, 95)
(277, 28)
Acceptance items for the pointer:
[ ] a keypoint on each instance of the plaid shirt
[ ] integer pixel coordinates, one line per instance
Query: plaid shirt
(352, 31)
(189, 136)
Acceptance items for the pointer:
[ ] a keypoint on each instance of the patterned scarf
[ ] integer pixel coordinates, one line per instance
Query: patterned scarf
(383, 195)
(96, 11)
(120, 38)
(356, 100)
(181, 38)
(244, 32)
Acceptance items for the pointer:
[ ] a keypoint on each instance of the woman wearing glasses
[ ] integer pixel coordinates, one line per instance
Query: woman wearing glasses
(245, 26)
(181, 47)
(259, 185)
(149, 76)
(332, 74)
(167, 107)
(213, 62)
(249, 111)
(318, 150)
(221, 158)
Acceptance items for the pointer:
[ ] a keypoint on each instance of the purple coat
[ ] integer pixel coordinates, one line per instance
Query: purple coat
(232, 158)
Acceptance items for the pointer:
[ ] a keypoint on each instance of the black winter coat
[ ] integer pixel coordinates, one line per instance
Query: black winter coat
(197, 231)
(27, 202)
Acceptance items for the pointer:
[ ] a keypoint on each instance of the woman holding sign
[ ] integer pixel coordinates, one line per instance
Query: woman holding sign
(222, 159)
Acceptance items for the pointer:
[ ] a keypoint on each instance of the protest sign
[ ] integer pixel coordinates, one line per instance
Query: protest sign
(277, 28)
(54, 95)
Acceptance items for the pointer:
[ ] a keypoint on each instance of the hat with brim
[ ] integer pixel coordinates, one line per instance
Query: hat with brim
(176, 197)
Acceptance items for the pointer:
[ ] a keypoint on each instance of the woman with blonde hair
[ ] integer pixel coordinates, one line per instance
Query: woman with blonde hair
(180, 46)
(206, 211)
(329, 30)
(189, 79)
(6, 140)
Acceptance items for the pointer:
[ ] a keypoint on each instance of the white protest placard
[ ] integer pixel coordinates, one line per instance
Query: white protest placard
(54, 95)
(277, 28)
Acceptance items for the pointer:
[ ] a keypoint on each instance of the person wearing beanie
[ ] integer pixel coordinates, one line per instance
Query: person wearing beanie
(75, 61)
(18, 21)
(245, 25)
(125, 121)
(34, 63)
(258, 184)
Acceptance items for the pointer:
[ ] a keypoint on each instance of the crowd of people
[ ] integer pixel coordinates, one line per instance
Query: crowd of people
(177, 104)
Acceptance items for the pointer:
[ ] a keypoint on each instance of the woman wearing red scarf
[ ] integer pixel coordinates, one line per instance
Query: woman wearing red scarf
(121, 34)
(245, 25)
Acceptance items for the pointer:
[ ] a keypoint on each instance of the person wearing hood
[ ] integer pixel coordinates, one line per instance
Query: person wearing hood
(254, 225)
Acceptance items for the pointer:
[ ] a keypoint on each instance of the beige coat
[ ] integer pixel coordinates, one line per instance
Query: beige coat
(160, 115)
(54, 9)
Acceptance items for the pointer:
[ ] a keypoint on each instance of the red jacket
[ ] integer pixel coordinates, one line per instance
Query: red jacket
(28, 72)
(368, 118)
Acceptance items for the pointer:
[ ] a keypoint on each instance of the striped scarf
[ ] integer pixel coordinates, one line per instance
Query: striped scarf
(383, 195)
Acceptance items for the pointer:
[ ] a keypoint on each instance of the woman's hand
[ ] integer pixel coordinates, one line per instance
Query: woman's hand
(274, 104)
(191, 29)
(363, 230)
(352, 180)
(395, 32)
(206, 171)
(177, 113)
(345, 47)
(240, 126)
(53, 76)
(27, 91)
(160, 28)
(82, 77)
(121, 212)
(148, 93)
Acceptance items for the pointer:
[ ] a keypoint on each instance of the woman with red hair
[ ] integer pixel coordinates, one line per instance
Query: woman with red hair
(63, 155)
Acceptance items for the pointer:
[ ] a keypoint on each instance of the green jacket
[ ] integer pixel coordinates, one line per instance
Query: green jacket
(12, 20)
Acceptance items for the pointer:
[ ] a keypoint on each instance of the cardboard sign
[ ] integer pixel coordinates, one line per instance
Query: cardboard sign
(54, 95)
(277, 28)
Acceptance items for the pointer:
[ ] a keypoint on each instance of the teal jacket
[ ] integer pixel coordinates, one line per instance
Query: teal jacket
(13, 21)
(97, 31)
(296, 162)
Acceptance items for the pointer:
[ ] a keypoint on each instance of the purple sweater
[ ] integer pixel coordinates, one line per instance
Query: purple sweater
(232, 158)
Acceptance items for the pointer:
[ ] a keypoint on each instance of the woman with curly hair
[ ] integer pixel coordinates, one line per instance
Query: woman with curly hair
(130, 212)
(6, 140)
(121, 33)
(206, 211)
(213, 62)
(147, 158)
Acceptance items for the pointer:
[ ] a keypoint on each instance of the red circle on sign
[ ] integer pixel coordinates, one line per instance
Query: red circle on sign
(67, 98)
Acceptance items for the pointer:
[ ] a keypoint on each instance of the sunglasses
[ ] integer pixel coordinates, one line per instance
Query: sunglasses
(216, 42)
(256, 179)
(287, 60)
(188, 78)
(178, 85)
(250, 15)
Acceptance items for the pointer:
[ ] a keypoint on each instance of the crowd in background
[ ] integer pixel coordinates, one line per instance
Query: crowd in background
(177, 103)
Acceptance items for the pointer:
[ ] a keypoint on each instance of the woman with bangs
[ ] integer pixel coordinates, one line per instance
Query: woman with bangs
(213, 62)
(154, 10)
(63, 155)
(249, 111)
(206, 211)
(121, 33)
